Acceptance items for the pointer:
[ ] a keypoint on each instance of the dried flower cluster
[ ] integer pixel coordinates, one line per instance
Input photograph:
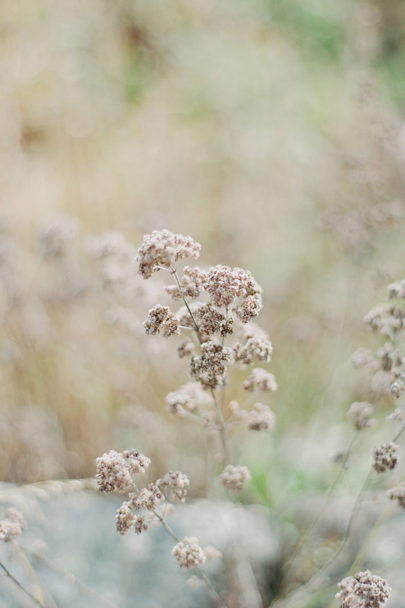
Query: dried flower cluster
(387, 365)
(189, 397)
(218, 306)
(161, 319)
(360, 412)
(188, 553)
(115, 470)
(11, 525)
(162, 249)
(364, 590)
(398, 494)
(235, 477)
(260, 379)
(385, 457)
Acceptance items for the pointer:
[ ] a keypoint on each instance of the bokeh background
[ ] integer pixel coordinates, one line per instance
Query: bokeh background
(273, 132)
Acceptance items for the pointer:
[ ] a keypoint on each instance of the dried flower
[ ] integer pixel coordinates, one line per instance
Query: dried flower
(209, 320)
(124, 518)
(397, 289)
(235, 477)
(148, 498)
(361, 413)
(364, 590)
(249, 308)
(115, 471)
(189, 397)
(191, 284)
(162, 249)
(136, 462)
(140, 524)
(386, 319)
(174, 486)
(209, 368)
(186, 349)
(161, 319)
(225, 284)
(398, 493)
(385, 457)
(261, 379)
(11, 525)
(255, 349)
(362, 357)
(260, 418)
(188, 553)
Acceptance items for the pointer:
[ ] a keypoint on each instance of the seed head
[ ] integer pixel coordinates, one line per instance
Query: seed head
(235, 477)
(385, 457)
(162, 249)
(188, 553)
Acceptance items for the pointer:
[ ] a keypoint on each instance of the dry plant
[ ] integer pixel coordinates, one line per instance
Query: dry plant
(217, 334)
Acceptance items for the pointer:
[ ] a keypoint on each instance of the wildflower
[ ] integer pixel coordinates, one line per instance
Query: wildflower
(140, 524)
(364, 590)
(362, 357)
(115, 470)
(398, 493)
(113, 473)
(260, 418)
(209, 320)
(174, 486)
(386, 319)
(255, 349)
(397, 289)
(161, 319)
(189, 397)
(186, 349)
(191, 284)
(148, 498)
(162, 249)
(361, 413)
(261, 379)
(188, 553)
(385, 457)
(235, 477)
(136, 462)
(225, 284)
(11, 525)
(124, 518)
(209, 368)
(249, 308)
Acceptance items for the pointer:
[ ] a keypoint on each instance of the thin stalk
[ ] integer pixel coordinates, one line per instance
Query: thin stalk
(196, 328)
(303, 587)
(20, 586)
(321, 511)
(220, 416)
(71, 579)
(214, 595)
(222, 430)
(31, 571)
